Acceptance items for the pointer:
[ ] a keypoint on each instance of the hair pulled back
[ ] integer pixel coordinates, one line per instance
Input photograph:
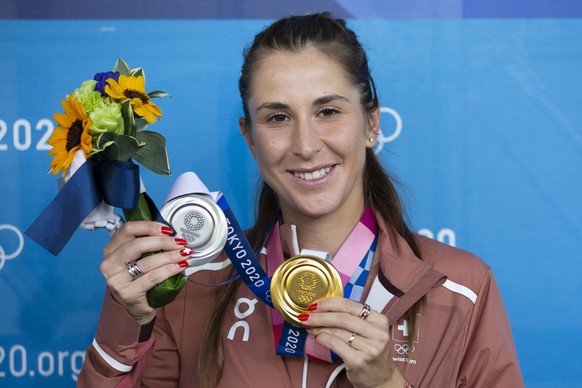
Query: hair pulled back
(330, 36)
(333, 38)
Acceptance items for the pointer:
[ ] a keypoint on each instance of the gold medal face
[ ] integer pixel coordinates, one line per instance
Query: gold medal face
(299, 282)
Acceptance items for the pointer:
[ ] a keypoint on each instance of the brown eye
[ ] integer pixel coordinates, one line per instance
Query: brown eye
(277, 118)
(328, 112)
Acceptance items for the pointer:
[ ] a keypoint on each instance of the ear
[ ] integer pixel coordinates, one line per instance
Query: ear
(373, 127)
(246, 131)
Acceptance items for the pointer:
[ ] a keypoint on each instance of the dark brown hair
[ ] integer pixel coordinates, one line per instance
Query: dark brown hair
(333, 38)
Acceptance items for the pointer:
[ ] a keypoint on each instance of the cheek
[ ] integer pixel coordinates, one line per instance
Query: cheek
(350, 143)
(268, 149)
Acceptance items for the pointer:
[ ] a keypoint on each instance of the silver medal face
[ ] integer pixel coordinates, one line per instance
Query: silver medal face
(201, 222)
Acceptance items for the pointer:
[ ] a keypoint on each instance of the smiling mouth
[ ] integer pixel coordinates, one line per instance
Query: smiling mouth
(309, 176)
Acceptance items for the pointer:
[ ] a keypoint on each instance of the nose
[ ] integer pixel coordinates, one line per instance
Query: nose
(305, 139)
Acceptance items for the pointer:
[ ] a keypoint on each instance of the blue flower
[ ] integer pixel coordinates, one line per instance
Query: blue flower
(102, 78)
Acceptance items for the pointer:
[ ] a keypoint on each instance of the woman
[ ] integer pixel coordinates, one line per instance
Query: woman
(433, 315)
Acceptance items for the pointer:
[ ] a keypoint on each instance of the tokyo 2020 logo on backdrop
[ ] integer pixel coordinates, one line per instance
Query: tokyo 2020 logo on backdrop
(7, 240)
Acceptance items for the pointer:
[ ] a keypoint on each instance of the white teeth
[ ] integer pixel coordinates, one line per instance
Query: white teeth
(309, 176)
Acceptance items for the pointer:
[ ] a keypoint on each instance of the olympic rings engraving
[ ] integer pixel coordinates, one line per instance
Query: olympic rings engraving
(5, 257)
(403, 349)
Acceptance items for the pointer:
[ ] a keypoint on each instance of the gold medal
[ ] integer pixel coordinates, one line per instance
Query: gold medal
(299, 282)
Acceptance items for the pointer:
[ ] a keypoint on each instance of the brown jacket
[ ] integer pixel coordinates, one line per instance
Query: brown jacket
(463, 337)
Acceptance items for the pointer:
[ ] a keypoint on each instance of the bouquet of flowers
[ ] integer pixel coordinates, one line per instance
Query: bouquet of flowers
(103, 129)
(107, 118)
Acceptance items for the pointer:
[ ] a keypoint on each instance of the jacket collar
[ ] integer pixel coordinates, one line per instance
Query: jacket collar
(401, 278)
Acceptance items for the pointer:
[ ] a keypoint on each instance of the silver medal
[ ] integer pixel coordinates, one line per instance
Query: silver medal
(201, 222)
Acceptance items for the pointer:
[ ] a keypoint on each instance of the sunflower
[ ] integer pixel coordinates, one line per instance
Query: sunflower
(134, 88)
(71, 134)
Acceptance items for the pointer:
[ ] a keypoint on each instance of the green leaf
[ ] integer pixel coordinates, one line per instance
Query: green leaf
(122, 67)
(122, 148)
(140, 213)
(166, 291)
(153, 155)
(140, 124)
(103, 140)
(127, 147)
(158, 94)
(137, 72)
(128, 118)
(103, 149)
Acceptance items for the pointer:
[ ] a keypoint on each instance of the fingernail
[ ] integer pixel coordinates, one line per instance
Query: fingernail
(183, 264)
(303, 316)
(313, 307)
(180, 241)
(167, 230)
(186, 251)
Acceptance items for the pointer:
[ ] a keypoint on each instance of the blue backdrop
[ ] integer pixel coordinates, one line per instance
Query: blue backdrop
(481, 122)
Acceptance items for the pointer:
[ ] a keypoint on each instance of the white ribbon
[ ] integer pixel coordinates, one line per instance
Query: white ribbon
(190, 183)
(103, 216)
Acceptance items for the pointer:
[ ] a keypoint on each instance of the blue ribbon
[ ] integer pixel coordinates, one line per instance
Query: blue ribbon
(115, 182)
(292, 340)
(118, 182)
(244, 260)
(247, 265)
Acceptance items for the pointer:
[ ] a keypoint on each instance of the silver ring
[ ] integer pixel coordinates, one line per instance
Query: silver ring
(134, 270)
(352, 338)
(365, 311)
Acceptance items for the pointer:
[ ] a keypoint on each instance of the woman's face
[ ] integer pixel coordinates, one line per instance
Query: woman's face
(309, 133)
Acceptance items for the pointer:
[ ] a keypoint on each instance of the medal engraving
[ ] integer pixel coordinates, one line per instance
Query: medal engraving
(307, 283)
(300, 281)
(199, 221)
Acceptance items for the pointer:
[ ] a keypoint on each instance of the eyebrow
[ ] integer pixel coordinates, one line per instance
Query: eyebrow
(272, 105)
(319, 101)
(330, 98)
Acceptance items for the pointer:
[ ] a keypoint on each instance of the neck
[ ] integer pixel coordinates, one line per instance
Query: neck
(325, 233)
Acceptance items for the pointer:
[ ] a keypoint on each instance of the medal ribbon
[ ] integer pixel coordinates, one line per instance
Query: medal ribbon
(352, 269)
(353, 261)
(237, 247)
(240, 253)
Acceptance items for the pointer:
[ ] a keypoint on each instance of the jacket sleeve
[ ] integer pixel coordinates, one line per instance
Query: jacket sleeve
(490, 358)
(164, 368)
(122, 350)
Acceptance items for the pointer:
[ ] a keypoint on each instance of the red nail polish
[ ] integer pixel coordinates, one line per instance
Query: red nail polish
(183, 264)
(186, 251)
(167, 230)
(303, 316)
(180, 241)
(313, 307)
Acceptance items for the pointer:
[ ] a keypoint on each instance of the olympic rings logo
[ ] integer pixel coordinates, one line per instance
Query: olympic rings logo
(3, 255)
(382, 139)
(403, 349)
(194, 221)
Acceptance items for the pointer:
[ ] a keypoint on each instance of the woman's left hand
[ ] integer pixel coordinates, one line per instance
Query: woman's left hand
(362, 342)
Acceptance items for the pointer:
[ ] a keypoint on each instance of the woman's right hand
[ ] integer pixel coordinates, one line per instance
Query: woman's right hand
(129, 243)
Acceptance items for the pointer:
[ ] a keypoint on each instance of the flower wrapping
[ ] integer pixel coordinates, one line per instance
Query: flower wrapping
(102, 132)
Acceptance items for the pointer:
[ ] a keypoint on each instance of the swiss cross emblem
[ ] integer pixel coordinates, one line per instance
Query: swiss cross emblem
(401, 330)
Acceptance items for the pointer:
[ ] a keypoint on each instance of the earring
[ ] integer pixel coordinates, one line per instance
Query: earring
(371, 140)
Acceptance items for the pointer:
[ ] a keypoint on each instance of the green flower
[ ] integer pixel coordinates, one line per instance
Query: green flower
(106, 118)
(105, 114)
(87, 96)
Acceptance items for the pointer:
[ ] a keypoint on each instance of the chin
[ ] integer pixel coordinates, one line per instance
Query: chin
(314, 209)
